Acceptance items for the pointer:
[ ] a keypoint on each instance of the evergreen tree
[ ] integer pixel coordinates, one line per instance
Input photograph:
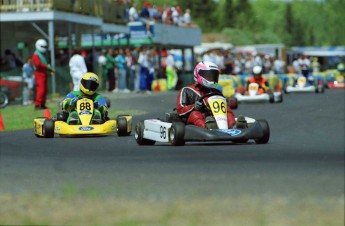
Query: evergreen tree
(229, 14)
(288, 25)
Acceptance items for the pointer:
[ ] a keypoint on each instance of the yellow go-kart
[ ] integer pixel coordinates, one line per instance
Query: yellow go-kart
(45, 127)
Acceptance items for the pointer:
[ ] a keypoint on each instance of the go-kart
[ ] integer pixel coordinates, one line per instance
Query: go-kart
(46, 128)
(173, 129)
(252, 95)
(302, 86)
(337, 83)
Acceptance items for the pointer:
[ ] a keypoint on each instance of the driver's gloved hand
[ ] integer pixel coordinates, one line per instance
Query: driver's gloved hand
(95, 105)
(198, 105)
(74, 101)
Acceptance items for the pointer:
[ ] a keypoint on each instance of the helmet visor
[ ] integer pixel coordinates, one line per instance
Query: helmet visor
(89, 84)
(210, 75)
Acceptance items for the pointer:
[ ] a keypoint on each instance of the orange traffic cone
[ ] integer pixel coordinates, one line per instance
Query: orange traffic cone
(47, 113)
(2, 125)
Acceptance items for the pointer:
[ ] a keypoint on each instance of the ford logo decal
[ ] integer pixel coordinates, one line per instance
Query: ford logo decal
(86, 128)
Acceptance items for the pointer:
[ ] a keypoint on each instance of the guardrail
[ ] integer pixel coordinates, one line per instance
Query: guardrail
(109, 10)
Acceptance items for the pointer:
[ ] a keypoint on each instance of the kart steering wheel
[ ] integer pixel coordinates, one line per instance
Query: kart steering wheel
(210, 94)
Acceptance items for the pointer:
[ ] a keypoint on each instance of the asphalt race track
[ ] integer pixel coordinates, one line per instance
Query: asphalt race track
(304, 157)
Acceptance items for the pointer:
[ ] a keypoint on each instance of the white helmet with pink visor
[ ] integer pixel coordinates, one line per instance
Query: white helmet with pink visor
(206, 74)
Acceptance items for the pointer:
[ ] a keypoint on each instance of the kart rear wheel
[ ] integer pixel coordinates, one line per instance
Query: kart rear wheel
(139, 135)
(271, 97)
(266, 132)
(176, 134)
(122, 127)
(48, 128)
(319, 89)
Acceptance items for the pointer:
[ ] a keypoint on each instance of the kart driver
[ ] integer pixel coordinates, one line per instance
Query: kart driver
(306, 73)
(257, 78)
(206, 76)
(88, 86)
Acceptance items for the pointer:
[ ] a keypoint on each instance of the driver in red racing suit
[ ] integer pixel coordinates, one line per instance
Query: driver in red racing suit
(261, 81)
(206, 76)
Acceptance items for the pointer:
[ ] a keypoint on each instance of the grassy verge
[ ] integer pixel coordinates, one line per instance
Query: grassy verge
(245, 210)
(17, 117)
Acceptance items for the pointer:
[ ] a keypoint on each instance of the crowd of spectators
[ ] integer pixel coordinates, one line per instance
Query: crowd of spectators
(172, 15)
(242, 63)
(133, 69)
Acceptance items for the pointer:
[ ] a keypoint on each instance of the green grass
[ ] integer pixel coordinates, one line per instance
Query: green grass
(46, 209)
(18, 117)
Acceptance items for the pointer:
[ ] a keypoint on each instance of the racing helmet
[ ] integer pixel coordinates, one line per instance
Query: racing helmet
(41, 45)
(257, 71)
(206, 74)
(89, 83)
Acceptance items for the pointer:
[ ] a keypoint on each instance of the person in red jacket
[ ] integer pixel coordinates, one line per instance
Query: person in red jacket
(206, 76)
(257, 78)
(42, 69)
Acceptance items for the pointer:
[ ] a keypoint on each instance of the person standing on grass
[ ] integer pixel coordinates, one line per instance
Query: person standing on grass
(42, 70)
(28, 77)
(77, 68)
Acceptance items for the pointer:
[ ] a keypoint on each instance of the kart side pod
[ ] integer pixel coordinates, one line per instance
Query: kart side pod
(149, 131)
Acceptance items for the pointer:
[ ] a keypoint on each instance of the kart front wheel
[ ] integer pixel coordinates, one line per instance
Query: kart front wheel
(176, 134)
(48, 128)
(266, 132)
(139, 135)
(122, 127)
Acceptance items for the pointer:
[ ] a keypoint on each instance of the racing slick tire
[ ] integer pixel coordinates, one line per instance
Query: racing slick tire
(266, 132)
(139, 135)
(176, 134)
(319, 89)
(122, 127)
(271, 97)
(48, 128)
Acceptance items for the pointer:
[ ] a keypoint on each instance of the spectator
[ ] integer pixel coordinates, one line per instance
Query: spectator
(175, 16)
(315, 65)
(9, 60)
(228, 63)
(171, 71)
(144, 69)
(42, 68)
(267, 65)
(121, 66)
(278, 66)
(102, 61)
(130, 69)
(153, 67)
(187, 21)
(145, 18)
(136, 67)
(132, 13)
(238, 69)
(77, 68)
(28, 77)
(219, 60)
(110, 66)
(166, 15)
